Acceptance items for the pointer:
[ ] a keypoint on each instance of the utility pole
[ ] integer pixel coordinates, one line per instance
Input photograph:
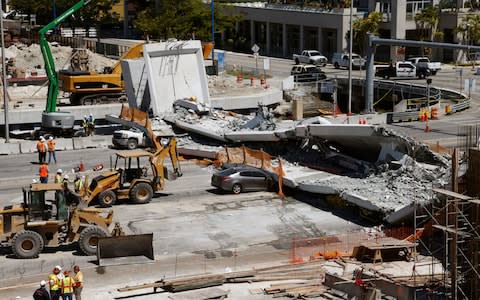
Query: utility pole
(212, 4)
(125, 18)
(350, 46)
(4, 76)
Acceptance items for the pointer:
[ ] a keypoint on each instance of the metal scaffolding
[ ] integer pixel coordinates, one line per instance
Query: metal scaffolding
(457, 218)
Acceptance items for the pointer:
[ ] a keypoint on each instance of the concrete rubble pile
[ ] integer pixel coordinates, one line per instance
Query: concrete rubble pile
(30, 57)
(382, 187)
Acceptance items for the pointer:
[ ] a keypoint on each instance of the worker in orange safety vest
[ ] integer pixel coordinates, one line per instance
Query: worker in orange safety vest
(43, 172)
(42, 150)
(51, 149)
(67, 284)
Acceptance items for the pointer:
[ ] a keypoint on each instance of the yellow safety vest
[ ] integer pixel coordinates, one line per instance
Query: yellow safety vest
(58, 178)
(78, 185)
(67, 285)
(53, 280)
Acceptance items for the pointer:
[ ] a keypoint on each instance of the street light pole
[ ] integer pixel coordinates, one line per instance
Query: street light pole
(213, 30)
(350, 46)
(4, 76)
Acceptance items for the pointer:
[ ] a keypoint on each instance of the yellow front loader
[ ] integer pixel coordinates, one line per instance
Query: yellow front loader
(49, 217)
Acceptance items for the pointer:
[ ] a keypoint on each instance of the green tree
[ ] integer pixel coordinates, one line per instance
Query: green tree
(469, 29)
(183, 19)
(362, 28)
(427, 23)
(97, 11)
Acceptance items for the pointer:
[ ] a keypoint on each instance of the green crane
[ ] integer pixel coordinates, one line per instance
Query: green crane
(53, 121)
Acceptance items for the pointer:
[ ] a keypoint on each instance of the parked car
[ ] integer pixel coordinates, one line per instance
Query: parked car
(306, 73)
(340, 60)
(130, 139)
(403, 69)
(242, 179)
(310, 57)
(424, 62)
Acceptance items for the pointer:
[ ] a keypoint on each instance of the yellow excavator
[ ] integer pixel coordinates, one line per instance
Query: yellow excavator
(132, 177)
(90, 87)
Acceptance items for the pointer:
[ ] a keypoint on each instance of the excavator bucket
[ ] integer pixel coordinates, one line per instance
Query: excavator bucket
(127, 249)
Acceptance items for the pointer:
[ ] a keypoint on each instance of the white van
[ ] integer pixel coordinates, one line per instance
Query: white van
(340, 60)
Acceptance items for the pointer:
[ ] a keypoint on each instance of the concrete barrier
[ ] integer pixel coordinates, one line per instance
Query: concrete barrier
(91, 142)
(9, 148)
(28, 146)
(64, 144)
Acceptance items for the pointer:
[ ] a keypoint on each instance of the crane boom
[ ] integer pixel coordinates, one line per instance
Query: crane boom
(51, 105)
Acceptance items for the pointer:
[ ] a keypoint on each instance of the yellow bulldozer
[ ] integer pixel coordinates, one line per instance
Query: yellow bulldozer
(131, 178)
(50, 217)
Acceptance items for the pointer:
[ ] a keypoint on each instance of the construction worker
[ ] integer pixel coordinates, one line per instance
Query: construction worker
(41, 293)
(67, 284)
(43, 172)
(78, 184)
(51, 149)
(78, 286)
(86, 128)
(59, 176)
(91, 124)
(42, 150)
(54, 281)
(70, 196)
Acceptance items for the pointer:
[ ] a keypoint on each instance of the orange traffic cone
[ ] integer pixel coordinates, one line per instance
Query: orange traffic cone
(81, 167)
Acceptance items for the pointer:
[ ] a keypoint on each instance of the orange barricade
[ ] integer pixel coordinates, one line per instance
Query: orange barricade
(434, 113)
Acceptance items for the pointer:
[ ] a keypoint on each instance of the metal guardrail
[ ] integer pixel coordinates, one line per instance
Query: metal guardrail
(460, 106)
(410, 116)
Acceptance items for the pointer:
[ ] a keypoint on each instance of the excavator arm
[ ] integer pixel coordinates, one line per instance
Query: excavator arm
(168, 149)
(51, 105)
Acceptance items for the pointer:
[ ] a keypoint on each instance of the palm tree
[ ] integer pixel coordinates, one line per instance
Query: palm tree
(469, 29)
(427, 22)
(363, 27)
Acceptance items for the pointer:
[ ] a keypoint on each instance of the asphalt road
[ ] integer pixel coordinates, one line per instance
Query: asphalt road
(196, 230)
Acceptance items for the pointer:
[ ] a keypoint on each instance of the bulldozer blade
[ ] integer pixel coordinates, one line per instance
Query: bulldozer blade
(128, 249)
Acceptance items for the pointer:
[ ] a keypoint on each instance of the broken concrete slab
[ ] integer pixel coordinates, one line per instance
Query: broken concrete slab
(269, 97)
(252, 136)
(367, 142)
(175, 71)
(213, 133)
(136, 83)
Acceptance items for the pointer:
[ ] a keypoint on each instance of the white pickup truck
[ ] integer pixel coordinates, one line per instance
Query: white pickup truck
(424, 62)
(340, 60)
(312, 57)
(129, 139)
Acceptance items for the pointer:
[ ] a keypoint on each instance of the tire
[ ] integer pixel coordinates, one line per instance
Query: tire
(141, 193)
(336, 65)
(434, 73)
(27, 244)
(88, 240)
(107, 198)
(236, 188)
(297, 61)
(132, 144)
